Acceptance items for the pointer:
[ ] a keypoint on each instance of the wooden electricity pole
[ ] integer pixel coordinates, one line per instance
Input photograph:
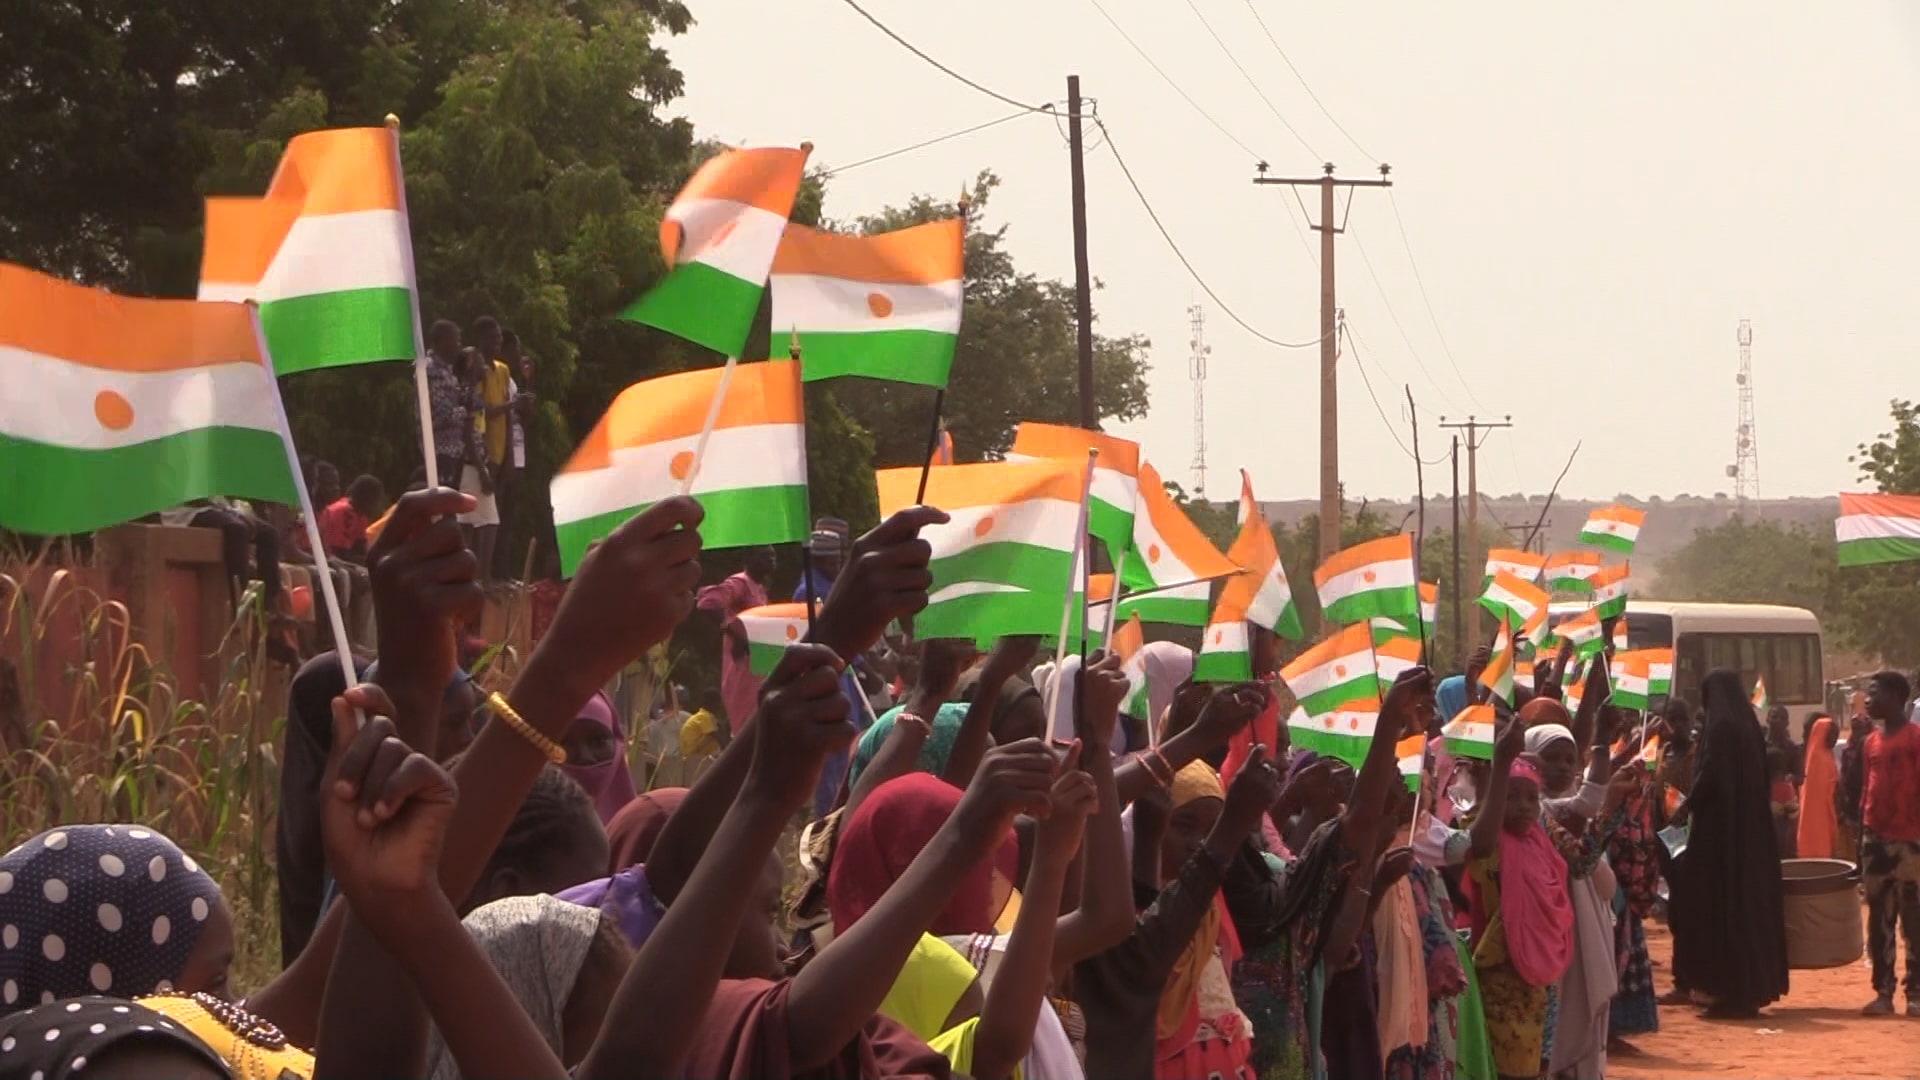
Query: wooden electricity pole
(1329, 350)
(1082, 282)
(1473, 426)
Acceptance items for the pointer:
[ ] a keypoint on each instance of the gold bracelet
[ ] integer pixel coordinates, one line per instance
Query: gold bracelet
(553, 750)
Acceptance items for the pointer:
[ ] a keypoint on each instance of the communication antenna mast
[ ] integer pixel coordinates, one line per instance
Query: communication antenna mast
(1197, 371)
(1745, 470)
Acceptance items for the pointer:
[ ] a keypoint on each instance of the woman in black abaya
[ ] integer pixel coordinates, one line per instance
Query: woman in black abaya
(1729, 933)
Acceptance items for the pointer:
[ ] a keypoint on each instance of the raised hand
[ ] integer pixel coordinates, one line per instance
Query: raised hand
(802, 719)
(1477, 663)
(1311, 788)
(628, 595)
(1509, 741)
(1255, 788)
(1073, 798)
(1231, 708)
(1103, 688)
(1013, 779)
(383, 815)
(886, 578)
(1394, 865)
(1409, 707)
(424, 584)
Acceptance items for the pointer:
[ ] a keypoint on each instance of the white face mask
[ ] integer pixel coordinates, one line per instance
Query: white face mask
(1461, 790)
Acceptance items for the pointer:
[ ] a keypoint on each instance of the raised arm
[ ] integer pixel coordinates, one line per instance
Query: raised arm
(1490, 817)
(1103, 912)
(1202, 718)
(1009, 656)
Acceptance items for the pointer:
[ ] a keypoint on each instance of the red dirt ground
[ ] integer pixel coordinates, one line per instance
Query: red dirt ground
(1815, 1031)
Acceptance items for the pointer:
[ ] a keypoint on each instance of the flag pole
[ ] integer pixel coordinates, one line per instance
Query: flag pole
(706, 430)
(1113, 598)
(940, 394)
(806, 546)
(1066, 607)
(422, 399)
(342, 647)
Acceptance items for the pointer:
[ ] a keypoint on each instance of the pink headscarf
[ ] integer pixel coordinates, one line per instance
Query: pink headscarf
(609, 782)
(1534, 903)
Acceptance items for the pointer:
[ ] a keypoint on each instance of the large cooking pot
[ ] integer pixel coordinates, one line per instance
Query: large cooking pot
(1822, 904)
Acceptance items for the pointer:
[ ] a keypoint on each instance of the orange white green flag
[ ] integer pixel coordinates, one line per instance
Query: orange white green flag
(1344, 732)
(751, 481)
(1524, 565)
(1615, 528)
(1000, 565)
(770, 629)
(1370, 580)
(1262, 591)
(1225, 654)
(1116, 473)
(1568, 571)
(1659, 671)
(1334, 672)
(718, 240)
(1583, 632)
(881, 306)
(1877, 529)
(116, 407)
(1410, 754)
(1171, 556)
(1761, 699)
(1497, 676)
(1470, 733)
(1630, 677)
(1513, 599)
(1429, 616)
(326, 253)
(1609, 585)
(1392, 657)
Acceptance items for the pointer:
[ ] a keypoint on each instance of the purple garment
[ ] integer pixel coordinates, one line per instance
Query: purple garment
(624, 898)
(609, 782)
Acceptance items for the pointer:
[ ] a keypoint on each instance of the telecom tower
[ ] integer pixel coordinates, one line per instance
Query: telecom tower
(1197, 371)
(1745, 470)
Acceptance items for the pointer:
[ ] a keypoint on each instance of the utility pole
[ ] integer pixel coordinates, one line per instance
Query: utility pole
(1473, 426)
(1420, 523)
(1329, 351)
(1459, 636)
(1082, 283)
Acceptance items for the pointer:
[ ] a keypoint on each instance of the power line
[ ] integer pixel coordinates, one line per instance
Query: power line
(1168, 237)
(1377, 407)
(949, 72)
(924, 143)
(1168, 79)
(1395, 316)
(1299, 138)
(1418, 280)
(1303, 82)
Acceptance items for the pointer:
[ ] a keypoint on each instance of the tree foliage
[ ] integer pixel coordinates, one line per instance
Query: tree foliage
(1753, 562)
(1879, 606)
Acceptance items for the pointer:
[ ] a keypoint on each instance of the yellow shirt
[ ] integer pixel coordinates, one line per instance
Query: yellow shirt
(699, 736)
(495, 392)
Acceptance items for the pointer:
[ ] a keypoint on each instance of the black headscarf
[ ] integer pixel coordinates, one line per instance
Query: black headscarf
(97, 909)
(1729, 928)
(54, 1042)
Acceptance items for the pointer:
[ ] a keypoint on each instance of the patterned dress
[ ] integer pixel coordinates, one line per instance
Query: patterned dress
(1281, 915)
(1446, 985)
(1632, 850)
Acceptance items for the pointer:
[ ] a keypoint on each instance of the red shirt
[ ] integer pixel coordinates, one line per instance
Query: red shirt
(1892, 804)
(342, 528)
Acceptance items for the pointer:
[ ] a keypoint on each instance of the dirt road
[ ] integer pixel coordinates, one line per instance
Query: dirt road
(1816, 1031)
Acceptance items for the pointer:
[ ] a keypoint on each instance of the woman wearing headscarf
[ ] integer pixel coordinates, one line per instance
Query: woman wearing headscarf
(1729, 928)
(100, 1036)
(596, 746)
(1633, 851)
(108, 909)
(562, 962)
(1818, 826)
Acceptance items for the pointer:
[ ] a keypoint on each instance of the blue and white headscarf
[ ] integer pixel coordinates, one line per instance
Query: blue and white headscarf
(97, 909)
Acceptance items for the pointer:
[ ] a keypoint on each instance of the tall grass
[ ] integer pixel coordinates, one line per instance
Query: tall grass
(124, 744)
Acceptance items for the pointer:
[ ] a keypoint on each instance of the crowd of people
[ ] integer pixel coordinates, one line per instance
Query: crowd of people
(999, 875)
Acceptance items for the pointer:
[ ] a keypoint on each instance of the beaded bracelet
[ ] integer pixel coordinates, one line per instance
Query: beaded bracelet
(553, 750)
(1165, 771)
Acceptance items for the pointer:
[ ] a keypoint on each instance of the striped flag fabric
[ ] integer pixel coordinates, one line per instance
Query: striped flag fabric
(718, 239)
(1334, 672)
(1583, 631)
(1523, 672)
(1537, 631)
(1343, 733)
(770, 629)
(1470, 733)
(752, 481)
(1629, 674)
(1128, 639)
(1000, 565)
(1762, 700)
(1568, 571)
(1516, 601)
(1609, 585)
(1410, 754)
(942, 448)
(1116, 473)
(1615, 528)
(1877, 529)
(1497, 676)
(1169, 553)
(1225, 654)
(1262, 591)
(1524, 565)
(326, 252)
(1619, 632)
(1659, 672)
(883, 306)
(1429, 616)
(1392, 657)
(1370, 580)
(117, 407)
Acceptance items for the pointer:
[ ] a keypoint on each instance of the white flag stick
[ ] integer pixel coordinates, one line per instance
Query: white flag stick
(1073, 579)
(423, 401)
(342, 647)
(1113, 596)
(706, 430)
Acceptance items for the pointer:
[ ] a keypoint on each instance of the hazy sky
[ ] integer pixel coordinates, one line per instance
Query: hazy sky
(1595, 196)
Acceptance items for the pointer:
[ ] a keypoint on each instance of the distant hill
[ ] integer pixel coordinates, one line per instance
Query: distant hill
(1671, 523)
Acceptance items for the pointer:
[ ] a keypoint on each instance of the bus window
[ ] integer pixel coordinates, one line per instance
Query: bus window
(1790, 662)
(1646, 631)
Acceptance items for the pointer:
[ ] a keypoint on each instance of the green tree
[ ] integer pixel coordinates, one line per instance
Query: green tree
(1753, 562)
(1016, 360)
(1879, 606)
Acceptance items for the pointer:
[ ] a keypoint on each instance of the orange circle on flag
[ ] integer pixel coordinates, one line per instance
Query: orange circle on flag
(1367, 577)
(1353, 723)
(1219, 636)
(1153, 553)
(983, 526)
(114, 412)
(793, 632)
(1339, 671)
(681, 465)
(879, 305)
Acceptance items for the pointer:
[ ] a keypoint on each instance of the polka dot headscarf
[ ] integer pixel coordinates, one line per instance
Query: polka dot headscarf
(54, 1042)
(97, 909)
